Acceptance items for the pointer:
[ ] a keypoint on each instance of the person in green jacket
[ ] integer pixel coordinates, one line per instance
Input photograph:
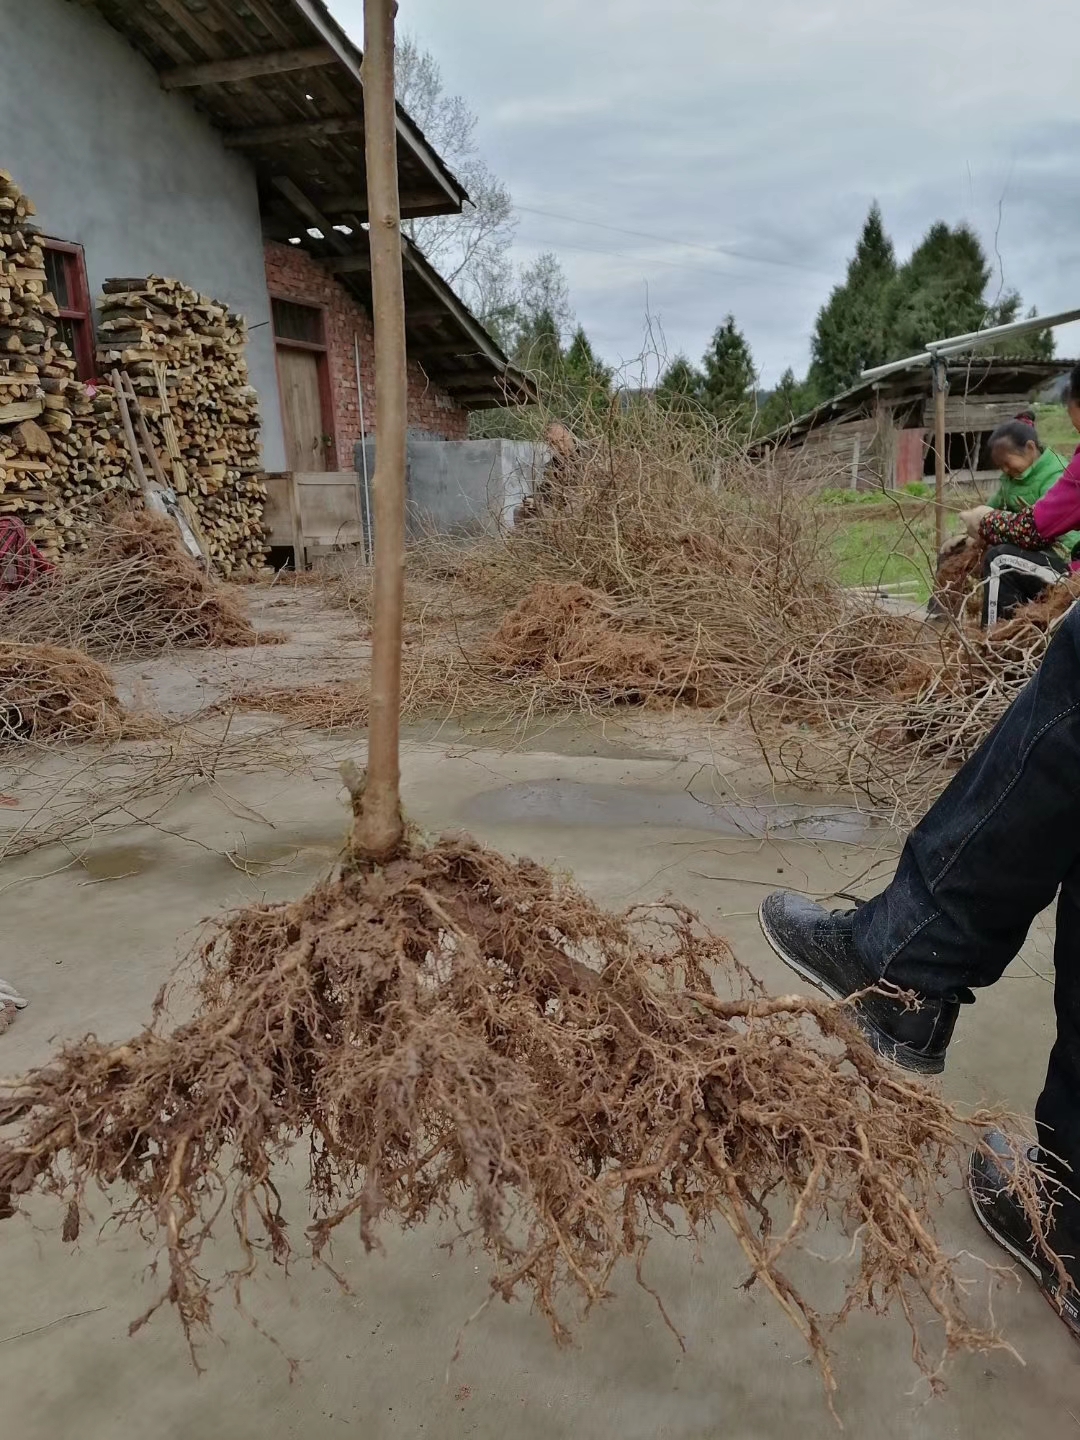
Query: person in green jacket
(1028, 471)
(1028, 468)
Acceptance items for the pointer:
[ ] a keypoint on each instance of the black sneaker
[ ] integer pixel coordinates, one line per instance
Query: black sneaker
(1002, 1217)
(818, 945)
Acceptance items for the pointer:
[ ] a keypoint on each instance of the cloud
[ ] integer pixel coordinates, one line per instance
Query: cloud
(767, 129)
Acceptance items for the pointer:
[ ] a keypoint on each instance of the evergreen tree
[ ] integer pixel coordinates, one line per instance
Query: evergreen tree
(851, 332)
(538, 347)
(586, 379)
(939, 291)
(728, 379)
(680, 386)
(786, 403)
(1038, 345)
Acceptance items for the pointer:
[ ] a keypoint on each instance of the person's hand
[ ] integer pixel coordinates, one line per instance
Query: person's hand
(953, 544)
(971, 519)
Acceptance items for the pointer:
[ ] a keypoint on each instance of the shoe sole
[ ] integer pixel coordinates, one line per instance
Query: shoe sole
(1021, 1259)
(884, 1045)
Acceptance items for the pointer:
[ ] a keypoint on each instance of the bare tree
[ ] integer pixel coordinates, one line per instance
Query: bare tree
(469, 250)
(542, 289)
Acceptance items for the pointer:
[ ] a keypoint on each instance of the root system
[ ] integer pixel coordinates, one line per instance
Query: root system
(956, 576)
(457, 1035)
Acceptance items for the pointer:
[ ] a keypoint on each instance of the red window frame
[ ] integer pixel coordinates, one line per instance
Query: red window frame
(79, 312)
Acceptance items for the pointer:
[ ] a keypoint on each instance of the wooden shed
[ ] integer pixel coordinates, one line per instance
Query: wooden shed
(881, 433)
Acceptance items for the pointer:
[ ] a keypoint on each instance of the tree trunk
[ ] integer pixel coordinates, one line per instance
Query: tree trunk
(379, 829)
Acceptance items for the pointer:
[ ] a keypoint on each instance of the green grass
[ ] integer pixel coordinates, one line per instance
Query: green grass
(884, 550)
(1056, 429)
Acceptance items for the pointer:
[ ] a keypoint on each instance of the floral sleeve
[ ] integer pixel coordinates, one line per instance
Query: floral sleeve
(1001, 528)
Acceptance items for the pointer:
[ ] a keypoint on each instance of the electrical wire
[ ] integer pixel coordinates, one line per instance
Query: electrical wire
(646, 261)
(723, 250)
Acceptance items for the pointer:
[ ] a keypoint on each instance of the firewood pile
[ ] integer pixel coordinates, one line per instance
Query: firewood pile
(41, 398)
(62, 444)
(185, 355)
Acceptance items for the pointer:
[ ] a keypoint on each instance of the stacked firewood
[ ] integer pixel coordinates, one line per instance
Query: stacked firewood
(63, 448)
(186, 358)
(40, 396)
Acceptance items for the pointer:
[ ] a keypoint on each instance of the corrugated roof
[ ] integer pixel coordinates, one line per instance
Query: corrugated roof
(984, 375)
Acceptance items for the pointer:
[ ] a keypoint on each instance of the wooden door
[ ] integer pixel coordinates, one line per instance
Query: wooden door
(301, 409)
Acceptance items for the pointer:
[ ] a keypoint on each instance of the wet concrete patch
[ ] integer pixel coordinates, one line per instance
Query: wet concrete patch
(302, 849)
(572, 737)
(118, 862)
(572, 802)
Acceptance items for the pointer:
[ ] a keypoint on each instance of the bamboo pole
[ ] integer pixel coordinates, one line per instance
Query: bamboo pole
(378, 829)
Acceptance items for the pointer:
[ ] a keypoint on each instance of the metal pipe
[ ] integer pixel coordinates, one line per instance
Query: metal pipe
(955, 343)
(941, 390)
(369, 549)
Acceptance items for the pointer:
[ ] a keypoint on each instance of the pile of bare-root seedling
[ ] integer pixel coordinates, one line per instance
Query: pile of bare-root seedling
(52, 694)
(899, 744)
(665, 567)
(452, 1033)
(134, 591)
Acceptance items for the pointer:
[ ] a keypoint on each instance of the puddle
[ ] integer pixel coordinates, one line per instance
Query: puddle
(260, 859)
(114, 862)
(570, 802)
(565, 737)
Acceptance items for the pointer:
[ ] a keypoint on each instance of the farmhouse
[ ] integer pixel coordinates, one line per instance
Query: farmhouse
(222, 145)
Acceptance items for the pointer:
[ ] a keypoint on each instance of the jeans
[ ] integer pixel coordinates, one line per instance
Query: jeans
(988, 856)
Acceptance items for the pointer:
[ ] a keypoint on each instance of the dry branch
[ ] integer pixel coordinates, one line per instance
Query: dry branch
(135, 590)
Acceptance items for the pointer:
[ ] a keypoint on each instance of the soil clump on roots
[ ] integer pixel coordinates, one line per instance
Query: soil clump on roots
(457, 1034)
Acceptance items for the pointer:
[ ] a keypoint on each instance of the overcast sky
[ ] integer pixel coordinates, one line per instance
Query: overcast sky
(765, 129)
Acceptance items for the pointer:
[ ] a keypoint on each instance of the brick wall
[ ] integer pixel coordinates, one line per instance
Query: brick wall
(292, 274)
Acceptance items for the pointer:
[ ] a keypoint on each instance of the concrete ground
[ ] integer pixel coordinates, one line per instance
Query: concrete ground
(90, 932)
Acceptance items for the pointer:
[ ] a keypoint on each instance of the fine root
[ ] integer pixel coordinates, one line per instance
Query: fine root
(456, 1034)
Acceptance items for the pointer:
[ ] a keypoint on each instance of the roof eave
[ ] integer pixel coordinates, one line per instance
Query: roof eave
(409, 133)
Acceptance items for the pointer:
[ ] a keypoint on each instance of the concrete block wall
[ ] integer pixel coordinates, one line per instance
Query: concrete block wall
(465, 487)
(292, 274)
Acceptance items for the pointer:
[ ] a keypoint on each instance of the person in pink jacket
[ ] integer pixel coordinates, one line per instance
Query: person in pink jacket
(1021, 560)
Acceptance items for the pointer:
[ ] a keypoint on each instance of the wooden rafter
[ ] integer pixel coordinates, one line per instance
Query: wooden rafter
(169, 44)
(206, 39)
(337, 204)
(311, 212)
(295, 132)
(349, 263)
(248, 67)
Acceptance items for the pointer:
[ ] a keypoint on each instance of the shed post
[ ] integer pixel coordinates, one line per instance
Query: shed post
(941, 390)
